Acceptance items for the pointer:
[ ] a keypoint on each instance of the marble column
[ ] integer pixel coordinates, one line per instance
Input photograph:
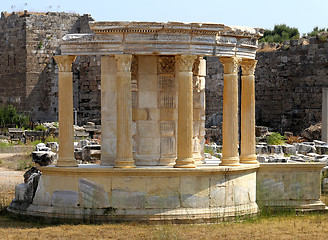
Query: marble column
(65, 111)
(230, 112)
(185, 112)
(248, 153)
(124, 156)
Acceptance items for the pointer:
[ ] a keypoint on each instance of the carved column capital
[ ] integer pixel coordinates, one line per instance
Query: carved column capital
(124, 62)
(64, 62)
(230, 64)
(248, 66)
(186, 62)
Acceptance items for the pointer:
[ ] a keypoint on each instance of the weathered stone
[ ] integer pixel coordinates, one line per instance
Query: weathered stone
(275, 149)
(44, 158)
(261, 149)
(41, 147)
(65, 198)
(289, 149)
(53, 146)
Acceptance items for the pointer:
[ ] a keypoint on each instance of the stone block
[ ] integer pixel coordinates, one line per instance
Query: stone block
(147, 64)
(108, 146)
(260, 149)
(167, 128)
(289, 149)
(275, 149)
(168, 114)
(147, 82)
(149, 146)
(20, 192)
(65, 198)
(194, 192)
(147, 99)
(108, 129)
(168, 146)
(163, 194)
(93, 195)
(108, 106)
(148, 129)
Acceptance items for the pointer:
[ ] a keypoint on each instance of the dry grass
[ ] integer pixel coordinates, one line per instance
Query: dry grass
(290, 227)
(285, 226)
(18, 161)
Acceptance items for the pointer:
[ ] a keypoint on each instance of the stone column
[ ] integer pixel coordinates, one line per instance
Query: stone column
(248, 153)
(324, 131)
(230, 112)
(65, 111)
(124, 156)
(185, 112)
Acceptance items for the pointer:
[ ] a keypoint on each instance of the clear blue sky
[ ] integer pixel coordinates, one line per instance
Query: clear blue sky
(257, 13)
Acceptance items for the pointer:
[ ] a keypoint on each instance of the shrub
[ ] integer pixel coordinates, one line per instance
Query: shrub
(279, 34)
(294, 139)
(275, 139)
(9, 115)
(40, 128)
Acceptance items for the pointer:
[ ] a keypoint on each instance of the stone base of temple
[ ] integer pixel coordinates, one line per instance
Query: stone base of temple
(179, 195)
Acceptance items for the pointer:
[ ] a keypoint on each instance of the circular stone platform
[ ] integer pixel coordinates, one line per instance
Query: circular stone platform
(205, 194)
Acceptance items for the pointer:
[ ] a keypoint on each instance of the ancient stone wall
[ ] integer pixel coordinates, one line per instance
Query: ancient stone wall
(288, 86)
(12, 60)
(28, 73)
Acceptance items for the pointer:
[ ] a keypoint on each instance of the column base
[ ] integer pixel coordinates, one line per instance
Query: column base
(185, 163)
(198, 159)
(66, 162)
(124, 163)
(166, 161)
(250, 159)
(230, 161)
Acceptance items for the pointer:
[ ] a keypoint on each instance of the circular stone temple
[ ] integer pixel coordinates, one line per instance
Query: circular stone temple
(153, 127)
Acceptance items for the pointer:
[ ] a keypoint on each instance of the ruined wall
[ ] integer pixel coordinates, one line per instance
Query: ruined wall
(288, 86)
(28, 73)
(87, 78)
(12, 61)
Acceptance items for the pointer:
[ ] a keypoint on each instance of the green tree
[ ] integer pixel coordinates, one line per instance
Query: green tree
(315, 31)
(279, 34)
(9, 115)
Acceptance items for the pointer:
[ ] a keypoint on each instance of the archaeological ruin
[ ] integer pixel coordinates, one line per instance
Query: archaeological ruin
(153, 166)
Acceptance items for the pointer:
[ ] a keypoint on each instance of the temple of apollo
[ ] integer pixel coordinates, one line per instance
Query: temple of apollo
(153, 126)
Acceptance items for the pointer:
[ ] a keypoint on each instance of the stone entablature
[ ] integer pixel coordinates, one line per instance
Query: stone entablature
(164, 39)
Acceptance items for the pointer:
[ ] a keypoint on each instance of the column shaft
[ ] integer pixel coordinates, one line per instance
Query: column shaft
(124, 112)
(65, 112)
(248, 153)
(185, 112)
(230, 112)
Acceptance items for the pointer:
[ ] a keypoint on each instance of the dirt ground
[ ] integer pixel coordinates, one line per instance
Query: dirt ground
(9, 178)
